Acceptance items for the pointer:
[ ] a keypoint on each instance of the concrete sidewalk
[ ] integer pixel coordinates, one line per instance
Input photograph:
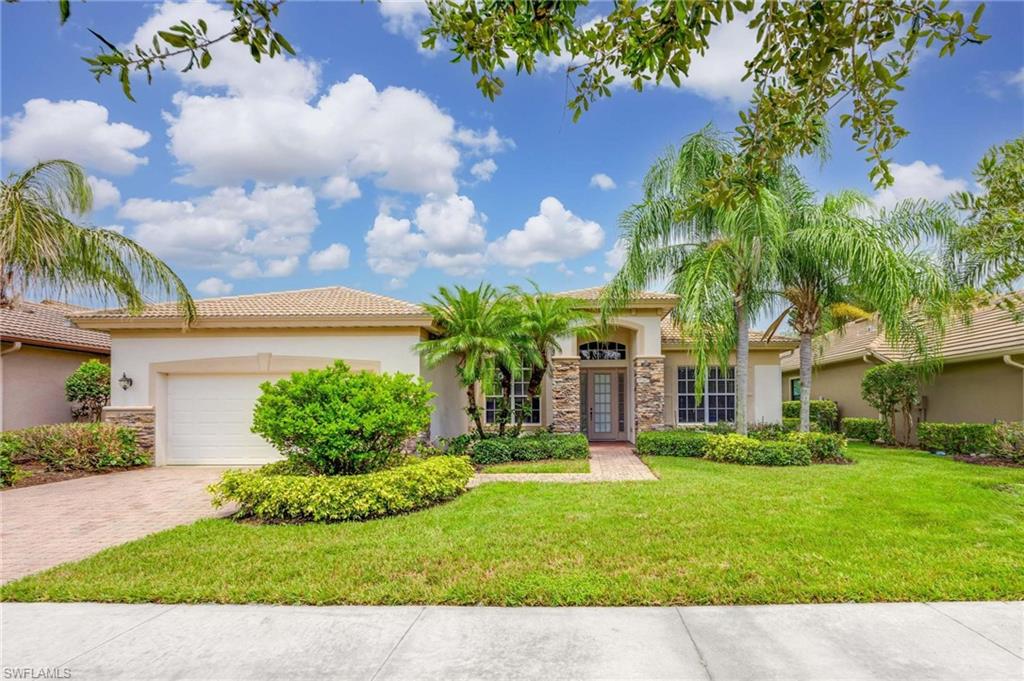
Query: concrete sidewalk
(844, 641)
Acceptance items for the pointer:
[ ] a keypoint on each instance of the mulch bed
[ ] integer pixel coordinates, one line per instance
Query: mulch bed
(986, 461)
(31, 474)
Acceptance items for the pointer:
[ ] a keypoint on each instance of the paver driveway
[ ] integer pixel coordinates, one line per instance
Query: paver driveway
(46, 525)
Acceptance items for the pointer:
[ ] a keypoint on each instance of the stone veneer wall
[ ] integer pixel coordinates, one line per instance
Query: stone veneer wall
(649, 393)
(140, 419)
(565, 394)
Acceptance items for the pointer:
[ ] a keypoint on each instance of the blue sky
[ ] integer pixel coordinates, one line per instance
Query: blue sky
(367, 163)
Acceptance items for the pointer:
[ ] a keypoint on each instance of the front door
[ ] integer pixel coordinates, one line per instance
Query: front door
(605, 412)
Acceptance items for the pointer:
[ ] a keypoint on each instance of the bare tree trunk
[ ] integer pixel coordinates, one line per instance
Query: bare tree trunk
(742, 363)
(806, 359)
(473, 410)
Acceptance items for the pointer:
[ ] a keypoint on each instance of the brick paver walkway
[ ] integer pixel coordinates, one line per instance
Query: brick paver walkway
(46, 525)
(609, 462)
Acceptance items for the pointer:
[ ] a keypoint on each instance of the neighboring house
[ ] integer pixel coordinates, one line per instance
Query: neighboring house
(39, 349)
(192, 390)
(982, 377)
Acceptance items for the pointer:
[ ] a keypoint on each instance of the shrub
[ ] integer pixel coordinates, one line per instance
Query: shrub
(768, 431)
(7, 469)
(749, 451)
(1008, 441)
(531, 447)
(956, 438)
(679, 442)
(824, 413)
(88, 389)
(793, 424)
(74, 446)
(868, 430)
(890, 388)
(342, 422)
(266, 495)
(459, 445)
(824, 447)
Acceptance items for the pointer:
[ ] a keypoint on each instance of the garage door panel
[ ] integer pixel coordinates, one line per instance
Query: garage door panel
(209, 419)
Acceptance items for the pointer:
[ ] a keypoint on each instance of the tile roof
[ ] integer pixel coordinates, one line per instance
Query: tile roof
(46, 324)
(326, 302)
(671, 334)
(991, 331)
(594, 292)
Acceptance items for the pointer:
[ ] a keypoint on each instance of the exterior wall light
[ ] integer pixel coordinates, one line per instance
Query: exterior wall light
(124, 381)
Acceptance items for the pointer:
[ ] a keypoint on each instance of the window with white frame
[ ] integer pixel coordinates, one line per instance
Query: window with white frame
(519, 398)
(719, 403)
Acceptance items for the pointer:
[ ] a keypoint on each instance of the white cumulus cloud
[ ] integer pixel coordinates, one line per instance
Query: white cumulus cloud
(77, 130)
(214, 286)
(340, 189)
(917, 180)
(602, 182)
(405, 17)
(334, 257)
(228, 229)
(484, 170)
(104, 193)
(553, 235)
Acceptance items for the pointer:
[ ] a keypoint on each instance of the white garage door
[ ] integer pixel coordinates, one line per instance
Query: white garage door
(209, 416)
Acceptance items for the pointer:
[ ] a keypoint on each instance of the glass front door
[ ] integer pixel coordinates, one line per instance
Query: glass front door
(606, 404)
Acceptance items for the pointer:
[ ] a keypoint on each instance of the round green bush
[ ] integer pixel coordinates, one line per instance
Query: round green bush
(88, 388)
(824, 447)
(341, 422)
(740, 449)
(267, 495)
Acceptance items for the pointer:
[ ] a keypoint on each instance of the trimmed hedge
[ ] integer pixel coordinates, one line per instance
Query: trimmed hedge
(823, 412)
(957, 438)
(74, 446)
(531, 447)
(793, 424)
(867, 430)
(679, 442)
(265, 495)
(824, 447)
(1009, 441)
(749, 451)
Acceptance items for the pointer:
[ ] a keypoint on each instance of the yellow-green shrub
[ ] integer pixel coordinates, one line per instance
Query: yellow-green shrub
(740, 449)
(265, 495)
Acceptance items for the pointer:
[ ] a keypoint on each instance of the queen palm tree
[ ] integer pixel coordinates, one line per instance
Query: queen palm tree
(474, 328)
(544, 320)
(43, 248)
(719, 260)
(837, 263)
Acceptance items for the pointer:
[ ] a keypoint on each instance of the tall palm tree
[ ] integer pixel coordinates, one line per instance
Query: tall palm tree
(836, 263)
(545, 320)
(42, 247)
(719, 260)
(474, 329)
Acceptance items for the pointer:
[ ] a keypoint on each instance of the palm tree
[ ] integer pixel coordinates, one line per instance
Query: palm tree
(474, 329)
(719, 260)
(43, 248)
(545, 319)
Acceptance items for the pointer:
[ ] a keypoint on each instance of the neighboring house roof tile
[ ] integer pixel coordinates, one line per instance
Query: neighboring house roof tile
(990, 331)
(47, 324)
(338, 302)
(671, 334)
(594, 293)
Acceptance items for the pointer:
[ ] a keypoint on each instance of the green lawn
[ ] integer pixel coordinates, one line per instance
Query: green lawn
(543, 466)
(896, 526)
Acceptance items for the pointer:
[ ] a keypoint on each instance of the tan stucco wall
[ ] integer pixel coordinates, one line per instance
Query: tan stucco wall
(32, 381)
(838, 382)
(758, 358)
(978, 391)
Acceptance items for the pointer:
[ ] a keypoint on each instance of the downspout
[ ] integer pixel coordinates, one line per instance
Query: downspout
(14, 348)
(1017, 365)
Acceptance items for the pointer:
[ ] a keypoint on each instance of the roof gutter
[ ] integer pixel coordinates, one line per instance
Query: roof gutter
(1017, 365)
(14, 348)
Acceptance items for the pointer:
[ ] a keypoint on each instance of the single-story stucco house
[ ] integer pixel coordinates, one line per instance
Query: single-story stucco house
(982, 377)
(39, 349)
(192, 390)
